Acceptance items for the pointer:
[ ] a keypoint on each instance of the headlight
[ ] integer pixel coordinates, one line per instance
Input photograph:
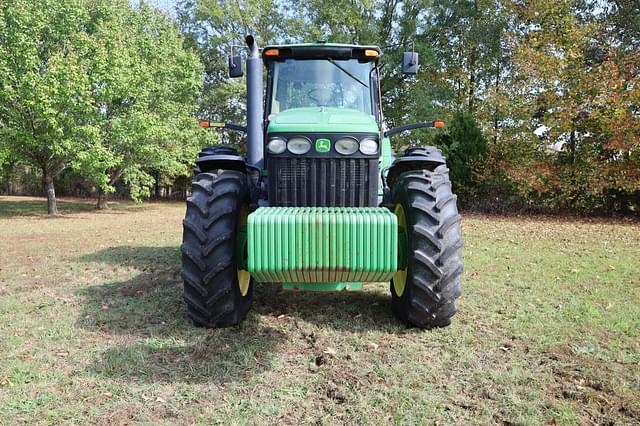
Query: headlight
(346, 146)
(299, 145)
(276, 145)
(368, 146)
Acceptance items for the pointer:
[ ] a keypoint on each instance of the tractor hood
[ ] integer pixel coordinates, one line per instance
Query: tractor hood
(322, 120)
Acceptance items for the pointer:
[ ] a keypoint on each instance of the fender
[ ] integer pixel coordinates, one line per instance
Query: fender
(219, 157)
(227, 158)
(421, 158)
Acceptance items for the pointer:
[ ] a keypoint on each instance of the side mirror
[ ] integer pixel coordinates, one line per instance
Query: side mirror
(410, 63)
(235, 66)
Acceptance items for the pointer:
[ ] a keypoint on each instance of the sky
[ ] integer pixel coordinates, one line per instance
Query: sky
(166, 5)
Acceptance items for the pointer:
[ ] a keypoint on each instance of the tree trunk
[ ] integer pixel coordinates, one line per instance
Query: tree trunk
(50, 190)
(157, 178)
(472, 89)
(572, 146)
(496, 111)
(472, 61)
(102, 200)
(102, 196)
(472, 80)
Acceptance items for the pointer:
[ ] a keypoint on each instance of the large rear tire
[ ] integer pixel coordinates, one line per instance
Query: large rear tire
(424, 293)
(217, 292)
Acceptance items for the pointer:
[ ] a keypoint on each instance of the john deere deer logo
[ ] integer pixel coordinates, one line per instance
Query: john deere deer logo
(323, 145)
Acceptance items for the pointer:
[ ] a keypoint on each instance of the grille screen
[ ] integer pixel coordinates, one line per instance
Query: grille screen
(322, 182)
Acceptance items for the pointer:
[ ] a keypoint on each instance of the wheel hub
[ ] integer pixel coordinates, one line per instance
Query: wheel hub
(400, 277)
(244, 277)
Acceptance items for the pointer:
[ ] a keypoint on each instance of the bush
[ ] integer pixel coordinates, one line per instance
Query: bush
(465, 147)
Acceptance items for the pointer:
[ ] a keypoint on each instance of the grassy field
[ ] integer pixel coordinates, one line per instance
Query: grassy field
(92, 330)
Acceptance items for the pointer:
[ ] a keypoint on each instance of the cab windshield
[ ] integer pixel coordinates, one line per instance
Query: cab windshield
(301, 83)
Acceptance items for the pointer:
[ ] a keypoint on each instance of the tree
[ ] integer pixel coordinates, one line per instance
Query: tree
(214, 29)
(527, 74)
(5, 162)
(104, 88)
(466, 36)
(464, 145)
(622, 19)
(45, 95)
(613, 120)
(145, 85)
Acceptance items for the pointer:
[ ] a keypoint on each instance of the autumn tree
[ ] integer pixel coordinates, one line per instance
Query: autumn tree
(613, 119)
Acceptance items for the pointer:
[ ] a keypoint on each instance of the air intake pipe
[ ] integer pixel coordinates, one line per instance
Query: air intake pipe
(255, 132)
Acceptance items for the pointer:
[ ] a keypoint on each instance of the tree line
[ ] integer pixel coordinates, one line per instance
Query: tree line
(102, 89)
(541, 98)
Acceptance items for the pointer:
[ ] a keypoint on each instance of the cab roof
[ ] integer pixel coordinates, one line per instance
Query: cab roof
(321, 50)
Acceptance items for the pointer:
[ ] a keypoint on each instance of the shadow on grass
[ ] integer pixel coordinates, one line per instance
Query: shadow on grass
(349, 311)
(30, 207)
(155, 259)
(160, 343)
(154, 297)
(148, 310)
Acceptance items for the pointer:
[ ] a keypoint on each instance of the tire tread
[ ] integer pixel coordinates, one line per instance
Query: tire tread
(435, 244)
(211, 290)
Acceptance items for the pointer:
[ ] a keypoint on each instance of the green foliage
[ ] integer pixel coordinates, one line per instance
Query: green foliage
(213, 28)
(552, 86)
(146, 87)
(104, 88)
(464, 146)
(5, 157)
(45, 93)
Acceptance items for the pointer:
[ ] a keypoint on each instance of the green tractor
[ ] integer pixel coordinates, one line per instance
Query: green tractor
(321, 202)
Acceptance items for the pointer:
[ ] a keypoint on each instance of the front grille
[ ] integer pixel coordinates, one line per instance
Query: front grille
(322, 182)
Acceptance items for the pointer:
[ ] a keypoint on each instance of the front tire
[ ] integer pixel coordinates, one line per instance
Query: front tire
(217, 292)
(424, 293)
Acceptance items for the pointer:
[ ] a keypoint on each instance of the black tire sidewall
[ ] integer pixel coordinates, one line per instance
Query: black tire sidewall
(431, 287)
(214, 211)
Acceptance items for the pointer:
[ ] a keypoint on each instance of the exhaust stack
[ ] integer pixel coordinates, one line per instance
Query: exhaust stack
(255, 132)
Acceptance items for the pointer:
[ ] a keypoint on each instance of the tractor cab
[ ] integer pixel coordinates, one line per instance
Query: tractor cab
(317, 76)
(321, 201)
(323, 125)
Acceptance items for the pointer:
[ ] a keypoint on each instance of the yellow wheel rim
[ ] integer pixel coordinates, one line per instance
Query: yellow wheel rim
(400, 277)
(244, 277)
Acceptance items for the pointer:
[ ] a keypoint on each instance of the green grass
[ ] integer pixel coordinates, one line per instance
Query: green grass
(92, 330)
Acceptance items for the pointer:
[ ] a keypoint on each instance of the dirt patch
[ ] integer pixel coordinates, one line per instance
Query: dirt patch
(594, 385)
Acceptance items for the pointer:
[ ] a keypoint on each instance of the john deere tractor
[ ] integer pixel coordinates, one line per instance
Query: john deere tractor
(321, 201)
